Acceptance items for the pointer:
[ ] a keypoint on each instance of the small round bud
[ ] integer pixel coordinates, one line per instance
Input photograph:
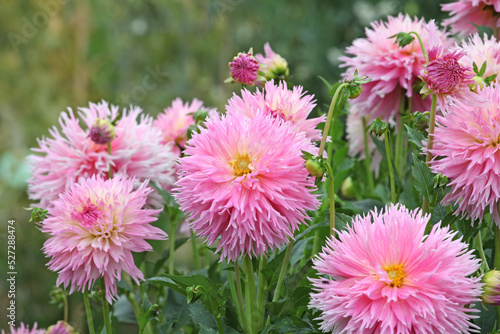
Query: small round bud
(355, 91)
(315, 168)
(491, 290)
(244, 69)
(347, 188)
(102, 131)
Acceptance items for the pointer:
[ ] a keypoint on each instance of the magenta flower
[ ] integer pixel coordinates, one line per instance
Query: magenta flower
(71, 155)
(23, 329)
(393, 70)
(273, 66)
(467, 13)
(94, 227)
(466, 151)
(292, 106)
(102, 131)
(386, 276)
(243, 182)
(244, 68)
(175, 121)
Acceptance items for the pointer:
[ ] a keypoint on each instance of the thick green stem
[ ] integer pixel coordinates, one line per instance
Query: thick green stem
(171, 258)
(236, 299)
(196, 254)
(399, 153)
(369, 174)
(110, 171)
(262, 290)
(331, 186)
(329, 118)
(251, 297)
(480, 249)
(430, 142)
(88, 310)
(496, 261)
(105, 308)
(240, 297)
(284, 267)
(219, 325)
(391, 170)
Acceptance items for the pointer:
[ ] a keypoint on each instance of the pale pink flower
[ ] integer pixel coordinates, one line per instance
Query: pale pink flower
(467, 13)
(386, 276)
(292, 106)
(466, 150)
(71, 155)
(244, 183)
(94, 227)
(272, 65)
(244, 69)
(23, 329)
(175, 121)
(393, 70)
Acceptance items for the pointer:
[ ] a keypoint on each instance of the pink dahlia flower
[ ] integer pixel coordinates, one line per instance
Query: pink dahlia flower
(467, 13)
(393, 70)
(273, 66)
(386, 276)
(23, 329)
(71, 155)
(479, 50)
(292, 106)
(244, 69)
(466, 150)
(243, 181)
(95, 226)
(175, 121)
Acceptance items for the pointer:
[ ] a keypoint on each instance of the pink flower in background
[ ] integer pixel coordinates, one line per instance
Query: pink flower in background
(175, 121)
(71, 155)
(243, 182)
(467, 13)
(272, 64)
(244, 69)
(386, 276)
(23, 329)
(94, 227)
(393, 70)
(466, 150)
(292, 106)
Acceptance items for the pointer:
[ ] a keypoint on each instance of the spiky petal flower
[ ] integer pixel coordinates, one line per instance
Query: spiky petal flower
(175, 121)
(23, 329)
(386, 276)
(467, 14)
(244, 68)
(71, 155)
(393, 70)
(94, 227)
(291, 105)
(273, 66)
(466, 151)
(243, 180)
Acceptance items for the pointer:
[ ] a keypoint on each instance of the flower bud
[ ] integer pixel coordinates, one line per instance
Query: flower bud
(244, 69)
(355, 91)
(61, 327)
(314, 167)
(347, 188)
(102, 132)
(491, 290)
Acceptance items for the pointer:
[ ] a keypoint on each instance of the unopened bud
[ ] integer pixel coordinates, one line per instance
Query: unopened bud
(491, 289)
(314, 167)
(102, 131)
(355, 91)
(347, 188)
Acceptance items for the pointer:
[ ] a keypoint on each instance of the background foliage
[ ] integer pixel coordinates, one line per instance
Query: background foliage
(59, 53)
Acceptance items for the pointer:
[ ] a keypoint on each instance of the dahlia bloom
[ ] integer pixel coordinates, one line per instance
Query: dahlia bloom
(386, 276)
(94, 227)
(479, 50)
(71, 155)
(243, 181)
(393, 70)
(244, 68)
(466, 151)
(273, 66)
(175, 121)
(467, 13)
(292, 106)
(23, 329)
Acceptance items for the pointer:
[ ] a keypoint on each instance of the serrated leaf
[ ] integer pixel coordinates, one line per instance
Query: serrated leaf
(424, 180)
(415, 136)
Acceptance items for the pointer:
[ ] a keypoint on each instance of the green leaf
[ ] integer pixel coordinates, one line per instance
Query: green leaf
(424, 181)
(415, 136)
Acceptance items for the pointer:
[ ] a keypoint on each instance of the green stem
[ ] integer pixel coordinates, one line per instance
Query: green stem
(391, 170)
(196, 254)
(65, 307)
(110, 171)
(251, 298)
(88, 310)
(496, 262)
(171, 258)
(235, 298)
(430, 142)
(240, 297)
(284, 267)
(369, 174)
(331, 186)
(262, 290)
(219, 325)
(426, 57)
(398, 155)
(480, 249)
(135, 306)
(329, 118)
(105, 308)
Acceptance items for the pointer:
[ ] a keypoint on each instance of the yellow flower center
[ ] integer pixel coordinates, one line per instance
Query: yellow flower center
(241, 165)
(396, 273)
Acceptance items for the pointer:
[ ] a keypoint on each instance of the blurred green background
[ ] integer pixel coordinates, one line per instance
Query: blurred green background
(60, 53)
